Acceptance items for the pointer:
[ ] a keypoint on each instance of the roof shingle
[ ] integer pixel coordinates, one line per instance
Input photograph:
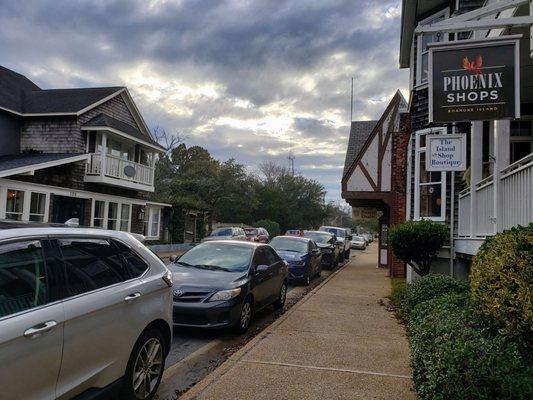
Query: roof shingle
(359, 132)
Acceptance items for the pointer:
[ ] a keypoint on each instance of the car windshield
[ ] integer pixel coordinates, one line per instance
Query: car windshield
(318, 237)
(358, 239)
(222, 256)
(337, 232)
(281, 243)
(251, 232)
(221, 232)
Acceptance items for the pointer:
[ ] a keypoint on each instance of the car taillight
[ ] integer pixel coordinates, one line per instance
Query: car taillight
(167, 277)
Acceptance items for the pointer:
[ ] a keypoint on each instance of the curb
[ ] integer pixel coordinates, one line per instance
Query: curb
(231, 362)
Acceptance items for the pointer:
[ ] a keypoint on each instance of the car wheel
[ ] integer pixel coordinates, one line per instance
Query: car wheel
(245, 316)
(145, 367)
(280, 302)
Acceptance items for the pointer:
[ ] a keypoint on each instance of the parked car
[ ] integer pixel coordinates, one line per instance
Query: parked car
(294, 232)
(79, 310)
(358, 242)
(257, 235)
(302, 255)
(230, 233)
(343, 236)
(222, 284)
(327, 243)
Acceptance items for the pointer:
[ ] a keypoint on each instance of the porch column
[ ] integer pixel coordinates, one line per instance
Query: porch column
(103, 156)
(502, 133)
(476, 167)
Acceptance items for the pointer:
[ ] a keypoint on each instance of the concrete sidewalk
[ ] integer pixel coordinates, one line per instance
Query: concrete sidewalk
(337, 343)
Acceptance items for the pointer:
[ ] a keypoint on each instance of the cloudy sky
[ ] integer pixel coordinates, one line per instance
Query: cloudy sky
(239, 77)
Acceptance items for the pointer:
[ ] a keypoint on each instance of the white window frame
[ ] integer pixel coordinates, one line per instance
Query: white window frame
(150, 221)
(420, 155)
(46, 206)
(418, 81)
(121, 220)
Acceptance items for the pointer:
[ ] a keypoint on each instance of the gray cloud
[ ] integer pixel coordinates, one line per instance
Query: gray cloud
(238, 77)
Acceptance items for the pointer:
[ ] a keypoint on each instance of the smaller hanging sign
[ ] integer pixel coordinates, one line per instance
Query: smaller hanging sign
(446, 152)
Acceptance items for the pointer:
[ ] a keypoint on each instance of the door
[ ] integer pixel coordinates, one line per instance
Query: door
(103, 314)
(65, 208)
(316, 257)
(276, 275)
(31, 320)
(261, 278)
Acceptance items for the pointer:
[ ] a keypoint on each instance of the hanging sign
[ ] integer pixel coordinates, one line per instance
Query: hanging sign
(363, 212)
(445, 152)
(474, 80)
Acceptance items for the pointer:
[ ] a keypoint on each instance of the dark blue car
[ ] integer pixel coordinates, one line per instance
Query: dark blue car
(302, 255)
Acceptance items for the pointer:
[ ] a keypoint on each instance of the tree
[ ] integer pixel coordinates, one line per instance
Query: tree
(417, 243)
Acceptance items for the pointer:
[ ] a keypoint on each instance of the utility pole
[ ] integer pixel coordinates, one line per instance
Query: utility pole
(291, 158)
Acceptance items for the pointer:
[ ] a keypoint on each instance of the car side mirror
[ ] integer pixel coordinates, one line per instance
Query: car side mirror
(350, 237)
(261, 268)
(173, 258)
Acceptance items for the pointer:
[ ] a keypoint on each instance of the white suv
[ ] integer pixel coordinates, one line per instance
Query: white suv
(81, 311)
(344, 238)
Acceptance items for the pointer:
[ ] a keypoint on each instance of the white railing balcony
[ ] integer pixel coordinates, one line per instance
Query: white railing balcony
(515, 202)
(116, 171)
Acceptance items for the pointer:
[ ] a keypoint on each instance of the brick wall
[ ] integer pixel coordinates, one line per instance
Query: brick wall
(400, 144)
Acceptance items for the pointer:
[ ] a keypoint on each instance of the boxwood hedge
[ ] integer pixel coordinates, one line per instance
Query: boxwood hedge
(502, 283)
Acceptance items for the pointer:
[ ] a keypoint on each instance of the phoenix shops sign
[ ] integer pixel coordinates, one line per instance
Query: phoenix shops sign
(474, 81)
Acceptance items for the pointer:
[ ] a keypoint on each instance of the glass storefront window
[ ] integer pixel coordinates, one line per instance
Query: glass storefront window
(124, 217)
(99, 207)
(37, 207)
(14, 204)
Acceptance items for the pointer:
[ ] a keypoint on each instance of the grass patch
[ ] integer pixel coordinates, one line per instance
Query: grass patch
(397, 290)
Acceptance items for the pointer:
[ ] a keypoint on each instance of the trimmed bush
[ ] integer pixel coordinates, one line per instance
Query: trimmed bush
(398, 286)
(502, 282)
(417, 243)
(427, 288)
(272, 227)
(454, 356)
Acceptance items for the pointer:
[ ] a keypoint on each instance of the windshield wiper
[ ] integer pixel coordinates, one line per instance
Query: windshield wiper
(211, 267)
(183, 263)
(294, 251)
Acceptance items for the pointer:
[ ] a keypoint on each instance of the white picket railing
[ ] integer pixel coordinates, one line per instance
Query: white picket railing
(517, 193)
(464, 213)
(515, 203)
(115, 167)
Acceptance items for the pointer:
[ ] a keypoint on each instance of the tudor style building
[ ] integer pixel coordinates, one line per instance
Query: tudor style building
(496, 190)
(80, 155)
(375, 170)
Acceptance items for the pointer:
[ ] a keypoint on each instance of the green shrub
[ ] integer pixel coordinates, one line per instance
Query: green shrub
(272, 227)
(502, 282)
(398, 286)
(455, 356)
(428, 287)
(417, 243)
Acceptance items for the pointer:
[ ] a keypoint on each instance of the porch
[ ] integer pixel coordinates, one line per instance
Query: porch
(498, 202)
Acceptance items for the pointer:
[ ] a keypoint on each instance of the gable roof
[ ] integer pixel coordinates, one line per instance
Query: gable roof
(359, 133)
(21, 96)
(64, 100)
(105, 121)
(400, 104)
(12, 87)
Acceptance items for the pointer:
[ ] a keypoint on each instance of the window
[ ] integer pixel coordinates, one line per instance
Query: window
(154, 221)
(23, 281)
(422, 45)
(521, 140)
(271, 256)
(430, 187)
(91, 264)
(124, 217)
(99, 210)
(134, 264)
(112, 215)
(14, 204)
(115, 148)
(37, 207)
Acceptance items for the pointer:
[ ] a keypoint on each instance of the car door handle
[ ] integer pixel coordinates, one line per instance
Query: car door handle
(131, 297)
(40, 329)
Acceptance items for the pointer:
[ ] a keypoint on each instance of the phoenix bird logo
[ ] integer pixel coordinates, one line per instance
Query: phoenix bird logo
(473, 66)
